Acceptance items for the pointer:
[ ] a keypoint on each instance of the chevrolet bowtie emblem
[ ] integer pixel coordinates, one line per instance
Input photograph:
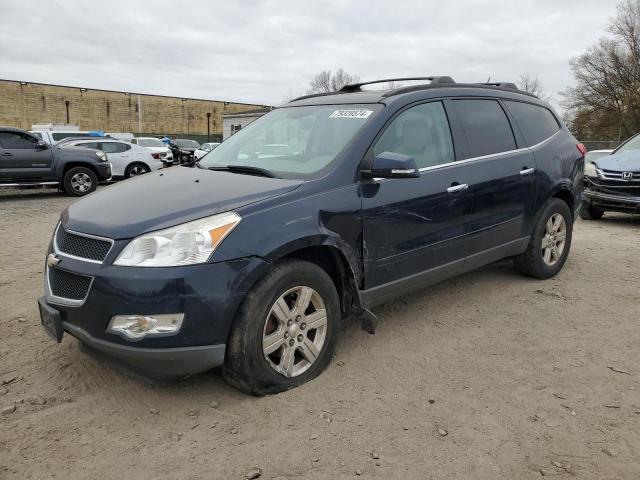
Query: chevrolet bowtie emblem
(52, 260)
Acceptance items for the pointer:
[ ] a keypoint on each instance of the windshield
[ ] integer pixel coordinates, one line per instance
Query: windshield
(150, 142)
(293, 142)
(187, 143)
(633, 144)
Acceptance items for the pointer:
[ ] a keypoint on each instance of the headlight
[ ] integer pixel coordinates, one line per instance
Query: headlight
(100, 154)
(185, 244)
(590, 169)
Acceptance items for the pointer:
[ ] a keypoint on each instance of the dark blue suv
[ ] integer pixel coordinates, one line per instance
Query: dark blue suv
(315, 213)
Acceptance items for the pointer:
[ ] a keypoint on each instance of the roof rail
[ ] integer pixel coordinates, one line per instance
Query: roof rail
(510, 85)
(355, 87)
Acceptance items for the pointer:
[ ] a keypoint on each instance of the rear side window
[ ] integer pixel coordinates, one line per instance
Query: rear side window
(422, 132)
(93, 145)
(536, 123)
(114, 147)
(486, 126)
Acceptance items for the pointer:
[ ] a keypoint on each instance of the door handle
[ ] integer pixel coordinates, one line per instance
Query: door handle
(7, 154)
(457, 188)
(527, 171)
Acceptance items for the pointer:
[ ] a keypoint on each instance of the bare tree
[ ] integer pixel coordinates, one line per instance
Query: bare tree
(326, 81)
(605, 102)
(530, 83)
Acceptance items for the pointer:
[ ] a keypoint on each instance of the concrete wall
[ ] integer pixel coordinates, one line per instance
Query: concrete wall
(23, 104)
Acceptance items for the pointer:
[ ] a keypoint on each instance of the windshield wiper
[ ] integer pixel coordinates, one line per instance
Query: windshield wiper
(245, 169)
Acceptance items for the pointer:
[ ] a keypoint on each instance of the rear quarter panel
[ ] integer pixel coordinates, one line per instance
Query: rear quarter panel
(560, 167)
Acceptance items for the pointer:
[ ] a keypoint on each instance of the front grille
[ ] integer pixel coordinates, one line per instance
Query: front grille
(612, 187)
(615, 175)
(68, 285)
(81, 246)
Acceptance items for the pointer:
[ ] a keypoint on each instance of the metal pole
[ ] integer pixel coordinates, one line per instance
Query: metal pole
(139, 115)
(208, 126)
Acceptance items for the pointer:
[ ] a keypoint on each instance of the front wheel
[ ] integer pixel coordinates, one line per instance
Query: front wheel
(549, 243)
(79, 181)
(587, 212)
(286, 330)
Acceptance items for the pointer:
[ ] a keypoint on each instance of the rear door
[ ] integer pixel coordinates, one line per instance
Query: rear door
(502, 178)
(21, 159)
(415, 229)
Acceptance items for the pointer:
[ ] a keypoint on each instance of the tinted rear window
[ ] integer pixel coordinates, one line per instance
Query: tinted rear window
(486, 126)
(536, 123)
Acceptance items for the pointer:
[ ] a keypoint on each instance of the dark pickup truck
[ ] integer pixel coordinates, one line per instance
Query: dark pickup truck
(26, 160)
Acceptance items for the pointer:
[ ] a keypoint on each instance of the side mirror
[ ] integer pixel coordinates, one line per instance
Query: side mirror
(392, 165)
(41, 145)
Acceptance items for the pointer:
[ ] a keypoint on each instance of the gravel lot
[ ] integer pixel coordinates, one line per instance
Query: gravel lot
(489, 375)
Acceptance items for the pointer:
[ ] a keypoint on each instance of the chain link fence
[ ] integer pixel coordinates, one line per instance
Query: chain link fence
(600, 144)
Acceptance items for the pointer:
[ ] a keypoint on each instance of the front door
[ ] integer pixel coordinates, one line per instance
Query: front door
(416, 228)
(119, 154)
(23, 159)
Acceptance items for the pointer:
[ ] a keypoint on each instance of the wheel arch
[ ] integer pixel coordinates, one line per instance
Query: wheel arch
(325, 252)
(565, 194)
(69, 165)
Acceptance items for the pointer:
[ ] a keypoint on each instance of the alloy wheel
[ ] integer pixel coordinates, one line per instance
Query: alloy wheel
(137, 170)
(295, 331)
(81, 182)
(554, 239)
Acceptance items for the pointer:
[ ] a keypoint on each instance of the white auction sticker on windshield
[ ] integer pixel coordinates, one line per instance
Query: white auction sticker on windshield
(351, 114)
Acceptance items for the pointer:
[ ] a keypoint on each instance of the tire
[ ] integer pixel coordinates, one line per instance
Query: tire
(135, 170)
(247, 366)
(539, 262)
(79, 181)
(588, 212)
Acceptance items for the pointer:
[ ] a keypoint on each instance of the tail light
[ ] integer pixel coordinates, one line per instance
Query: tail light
(582, 149)
(156, 156)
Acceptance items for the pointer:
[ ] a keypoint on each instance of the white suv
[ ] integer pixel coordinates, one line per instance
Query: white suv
(126, 160)
(155, 145)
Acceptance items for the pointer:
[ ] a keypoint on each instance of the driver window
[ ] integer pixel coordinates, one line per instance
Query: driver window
(17, 140)
(421, 132)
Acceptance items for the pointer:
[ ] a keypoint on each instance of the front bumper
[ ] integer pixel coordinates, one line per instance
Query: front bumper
(103, 170)
(154, 362)
(607, 201)
(208, 295)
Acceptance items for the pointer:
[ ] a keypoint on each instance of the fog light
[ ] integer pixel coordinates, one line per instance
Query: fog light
(136, 327)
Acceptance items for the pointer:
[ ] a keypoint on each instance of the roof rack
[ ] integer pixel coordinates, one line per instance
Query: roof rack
(510, 85)
(355, 87)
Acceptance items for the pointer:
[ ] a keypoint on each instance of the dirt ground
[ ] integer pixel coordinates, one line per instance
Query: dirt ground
(489, 375)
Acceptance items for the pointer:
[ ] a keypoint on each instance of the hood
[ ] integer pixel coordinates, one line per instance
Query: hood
(628, 161)
(164, 199)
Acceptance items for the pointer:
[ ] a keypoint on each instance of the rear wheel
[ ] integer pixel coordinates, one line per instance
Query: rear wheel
(79, 181)
(286, 330)
(135, 170)
(587, 212)
(550, 242)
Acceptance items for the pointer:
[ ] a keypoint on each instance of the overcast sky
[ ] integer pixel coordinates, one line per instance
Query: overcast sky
(263, 51)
